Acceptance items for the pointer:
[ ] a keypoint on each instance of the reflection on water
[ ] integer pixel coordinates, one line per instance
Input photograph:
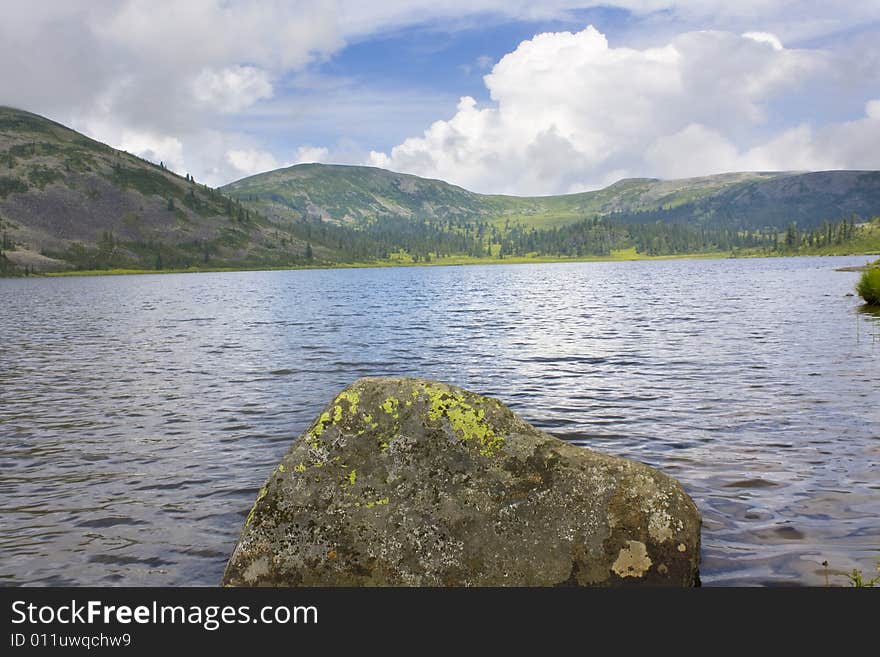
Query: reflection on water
(872, 327)
(139, 415)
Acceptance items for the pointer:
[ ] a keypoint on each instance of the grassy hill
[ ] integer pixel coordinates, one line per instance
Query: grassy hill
(750, 200)
(353, 194)
(628, 196)
(775, 201)
(67, 201)
(350, 194)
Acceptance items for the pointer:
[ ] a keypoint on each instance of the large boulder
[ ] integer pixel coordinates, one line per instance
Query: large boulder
(409, 482)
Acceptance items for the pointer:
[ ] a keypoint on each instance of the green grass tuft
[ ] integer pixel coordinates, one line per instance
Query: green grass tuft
(868, 286)
(859, 580)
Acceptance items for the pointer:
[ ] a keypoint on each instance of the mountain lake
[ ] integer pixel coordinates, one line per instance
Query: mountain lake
(139, 415)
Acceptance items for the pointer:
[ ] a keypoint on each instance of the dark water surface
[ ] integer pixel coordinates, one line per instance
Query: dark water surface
(140, 414)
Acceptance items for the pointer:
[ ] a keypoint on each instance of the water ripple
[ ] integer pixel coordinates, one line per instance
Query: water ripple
(139, 415)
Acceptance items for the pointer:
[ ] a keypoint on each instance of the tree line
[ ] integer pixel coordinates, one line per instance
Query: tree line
(597, 236)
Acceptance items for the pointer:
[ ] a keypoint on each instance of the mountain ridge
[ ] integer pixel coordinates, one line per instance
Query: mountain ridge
(70, 202)
(67, 200)
(349, 193)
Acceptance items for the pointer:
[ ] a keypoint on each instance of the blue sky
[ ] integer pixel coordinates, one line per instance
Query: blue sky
(430, 65)
(501, 96)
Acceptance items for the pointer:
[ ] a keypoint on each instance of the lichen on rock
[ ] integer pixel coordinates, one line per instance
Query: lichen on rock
(410, 482)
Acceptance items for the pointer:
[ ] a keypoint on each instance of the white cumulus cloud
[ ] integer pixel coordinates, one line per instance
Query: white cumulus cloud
(692, 151)
(308, 154)
(251, 161)
(150, 145)
(569, 110)
(765, 37)
(570, 106)
(231, 89)
(156, 148)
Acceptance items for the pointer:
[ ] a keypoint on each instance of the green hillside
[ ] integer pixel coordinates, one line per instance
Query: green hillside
(349, 194)
(745, 201)
(628, 196)
(68, 202)
(354, 194)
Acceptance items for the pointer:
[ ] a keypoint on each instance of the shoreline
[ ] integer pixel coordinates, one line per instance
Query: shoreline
(454, 261)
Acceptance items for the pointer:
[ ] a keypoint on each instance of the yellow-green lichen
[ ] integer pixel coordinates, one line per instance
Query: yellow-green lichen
(323, 422)
(468, 422)
(352, 477)
(381, 502)
(300, 468)
(260, 496)
(390, 406)
(352, 397)
(281, 468)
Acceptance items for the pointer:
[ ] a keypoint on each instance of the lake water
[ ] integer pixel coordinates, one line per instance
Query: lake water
(140, 414)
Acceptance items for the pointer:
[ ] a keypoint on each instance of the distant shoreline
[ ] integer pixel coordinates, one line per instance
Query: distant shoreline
(625, 256)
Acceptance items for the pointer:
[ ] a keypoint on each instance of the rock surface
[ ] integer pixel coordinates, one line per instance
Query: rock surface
(409, 482)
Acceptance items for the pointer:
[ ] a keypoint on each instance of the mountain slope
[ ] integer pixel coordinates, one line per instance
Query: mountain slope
(69, 201)
(806, 199)
(751, 200)
(351, 194)
(354, 194)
